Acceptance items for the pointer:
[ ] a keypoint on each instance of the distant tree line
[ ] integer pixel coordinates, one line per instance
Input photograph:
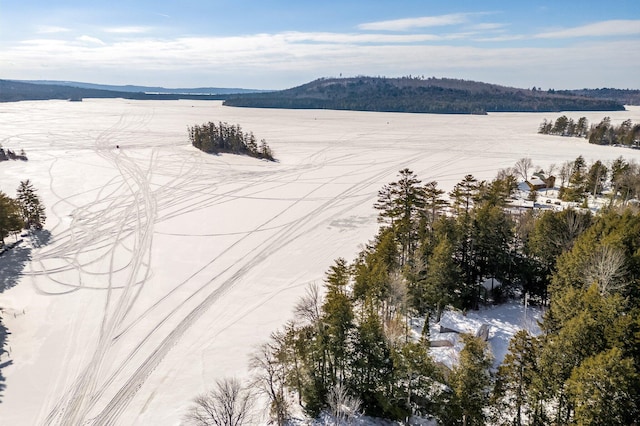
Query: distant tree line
(624, 96)
(13, 91)
(26, 211)
(349, 348)
(230, 138)
(603, 133)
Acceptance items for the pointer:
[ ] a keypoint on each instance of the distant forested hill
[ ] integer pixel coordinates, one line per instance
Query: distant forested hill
(145, 89)
(11, 91)
(624, 96)
(409, 94)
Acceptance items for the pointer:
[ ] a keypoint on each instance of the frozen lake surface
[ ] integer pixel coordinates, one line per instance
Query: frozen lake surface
(167, 266)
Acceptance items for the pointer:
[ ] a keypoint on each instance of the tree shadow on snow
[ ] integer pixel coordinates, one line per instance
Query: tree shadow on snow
(40, 238)
(4, 362)
(12, 263)
(13, 259)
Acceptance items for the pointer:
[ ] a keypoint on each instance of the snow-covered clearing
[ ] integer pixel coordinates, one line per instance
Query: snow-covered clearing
(166, 266)
(503, 321)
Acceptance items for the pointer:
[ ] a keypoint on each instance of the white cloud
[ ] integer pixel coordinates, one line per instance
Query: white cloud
(89, 39)
(50, 29)
(340, 38)
(489, 26)
(127, 30)
(598, 29)
(500, 38)
(420, 22)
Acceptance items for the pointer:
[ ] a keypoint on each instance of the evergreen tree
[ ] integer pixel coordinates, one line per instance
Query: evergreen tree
(577, 181)
(596, 178)
(500, 190)
(400, 203)
(374, 266)
(441, 283)
(31, 207)
(265, 151)
(560, 126)
(337, 320)
(414, 378)
(603, 390)
(598, 133)
(464, 193)
(470, 380)
(371, 367)
(433, 202)
(10, 216)
(492, 236)
(545, 127)
(514, 394)
(579, 324)
(582, 127)
(620, 168)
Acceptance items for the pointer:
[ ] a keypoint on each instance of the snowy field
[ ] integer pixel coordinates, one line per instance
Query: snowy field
(166, 266)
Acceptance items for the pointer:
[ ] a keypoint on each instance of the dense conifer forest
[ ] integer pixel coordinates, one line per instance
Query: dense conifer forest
(420, 95)
(349, 349)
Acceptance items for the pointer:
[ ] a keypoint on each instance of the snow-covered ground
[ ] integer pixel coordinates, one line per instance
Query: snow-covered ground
(503, 322)
(166, 266)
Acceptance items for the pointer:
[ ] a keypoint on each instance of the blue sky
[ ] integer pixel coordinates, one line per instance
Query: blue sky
(274, 44)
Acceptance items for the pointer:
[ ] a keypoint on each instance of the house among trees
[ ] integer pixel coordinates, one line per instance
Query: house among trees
(538, 181)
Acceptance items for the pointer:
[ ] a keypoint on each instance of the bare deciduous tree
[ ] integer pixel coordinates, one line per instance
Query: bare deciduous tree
(573, 225)
(229, 403)
(270, 376)
(523, 166)
(505, 173)
(565, 172)
(398, 293)
(550, 178)
(308, 308)
(607, 268)
(551, 169)
(344, 407)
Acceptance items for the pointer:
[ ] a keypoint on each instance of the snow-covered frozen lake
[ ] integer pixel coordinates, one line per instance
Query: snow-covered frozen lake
(167, 266)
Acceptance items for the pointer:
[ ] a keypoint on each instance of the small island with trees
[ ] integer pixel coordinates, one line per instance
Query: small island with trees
(229, 138)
